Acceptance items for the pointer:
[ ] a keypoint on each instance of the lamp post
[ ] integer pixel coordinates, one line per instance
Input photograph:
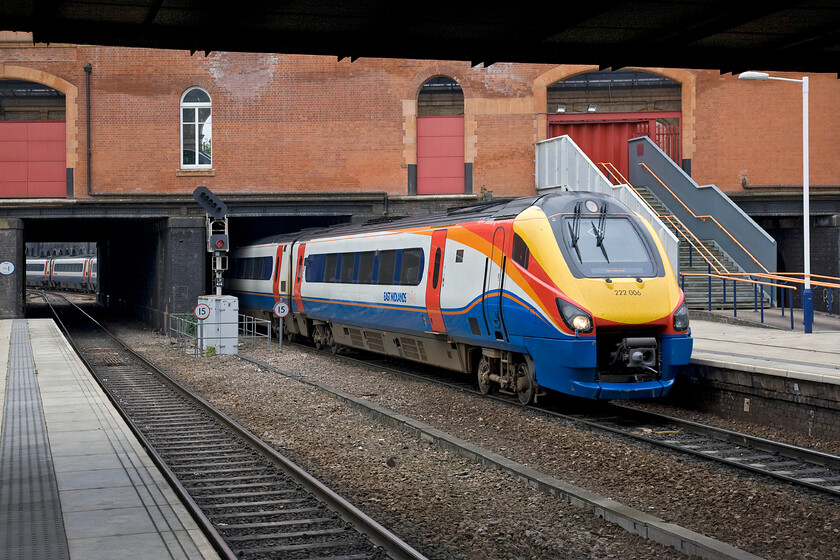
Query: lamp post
(807, 294)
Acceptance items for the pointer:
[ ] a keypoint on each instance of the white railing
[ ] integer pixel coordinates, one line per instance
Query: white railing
(562, 165)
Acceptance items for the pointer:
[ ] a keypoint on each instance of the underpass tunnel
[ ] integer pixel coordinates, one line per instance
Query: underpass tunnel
(147, 269)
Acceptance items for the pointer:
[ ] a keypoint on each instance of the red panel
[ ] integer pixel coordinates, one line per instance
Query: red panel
(49, 189)
(46, 151)
(41, 131)
(13, 131)
(13, 171)
(440, 167)
(440, 126)
(441, 146)
(46, 171)
(12, 189)
(12, 151)
(440, 155)
(32, 163)
(439, 185)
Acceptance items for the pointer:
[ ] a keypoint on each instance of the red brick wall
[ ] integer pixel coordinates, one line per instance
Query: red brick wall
(753, 129)
(284, 123)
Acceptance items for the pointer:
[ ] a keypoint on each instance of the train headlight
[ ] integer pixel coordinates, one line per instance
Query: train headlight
(575, 318)
(681, 318)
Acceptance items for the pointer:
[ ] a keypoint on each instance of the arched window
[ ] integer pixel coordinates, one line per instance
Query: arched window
(196, 133)
(440, 137)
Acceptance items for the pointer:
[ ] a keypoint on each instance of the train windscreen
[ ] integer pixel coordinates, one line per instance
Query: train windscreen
(603, 246)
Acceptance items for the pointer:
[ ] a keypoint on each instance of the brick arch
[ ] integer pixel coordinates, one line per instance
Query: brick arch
(71, 108)
(409, 106)
(685, 78)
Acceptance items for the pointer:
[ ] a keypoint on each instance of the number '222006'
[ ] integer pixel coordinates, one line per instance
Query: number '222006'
(627, 292)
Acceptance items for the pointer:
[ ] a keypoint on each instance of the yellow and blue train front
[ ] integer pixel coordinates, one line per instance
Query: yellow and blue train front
(607, 317)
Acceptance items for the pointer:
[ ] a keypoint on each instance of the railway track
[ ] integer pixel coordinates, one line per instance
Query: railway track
(792, 464)
(251, 501)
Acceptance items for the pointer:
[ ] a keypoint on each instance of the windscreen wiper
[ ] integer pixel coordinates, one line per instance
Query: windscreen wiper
(600, 230)
(574, 230)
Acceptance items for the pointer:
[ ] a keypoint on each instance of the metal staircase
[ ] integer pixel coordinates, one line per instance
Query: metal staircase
(698, 289)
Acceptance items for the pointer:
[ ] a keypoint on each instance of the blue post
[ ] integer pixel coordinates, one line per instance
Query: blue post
(755, 297)
(724, 291)
(710, 287)
(761, 297)
(808, 309)
(782, 300)
(735, 296)
(791, 312)
(830, 300)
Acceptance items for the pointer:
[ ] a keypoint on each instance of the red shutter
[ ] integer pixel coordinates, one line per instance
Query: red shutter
(32, 160)
(440, 155)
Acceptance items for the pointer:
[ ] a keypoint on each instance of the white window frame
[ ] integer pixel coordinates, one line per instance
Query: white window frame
(194, 107)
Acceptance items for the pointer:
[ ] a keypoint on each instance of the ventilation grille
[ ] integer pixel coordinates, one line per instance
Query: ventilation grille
(375, 341)
(413, 349)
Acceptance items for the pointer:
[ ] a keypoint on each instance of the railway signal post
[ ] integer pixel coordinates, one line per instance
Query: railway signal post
(218, 315)
(217, 233)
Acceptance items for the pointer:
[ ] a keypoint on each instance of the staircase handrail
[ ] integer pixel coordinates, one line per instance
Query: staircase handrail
(673, 220)
(706, 201)
(787, 277)
(703, 218)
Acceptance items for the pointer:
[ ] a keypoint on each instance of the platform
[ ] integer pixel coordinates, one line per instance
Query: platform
(772, 351)
(74, 481)
(768, 376)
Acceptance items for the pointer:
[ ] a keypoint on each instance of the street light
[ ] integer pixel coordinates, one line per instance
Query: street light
(807, 294)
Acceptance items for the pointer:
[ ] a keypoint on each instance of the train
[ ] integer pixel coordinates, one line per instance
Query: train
(63, 273)
(568, 292)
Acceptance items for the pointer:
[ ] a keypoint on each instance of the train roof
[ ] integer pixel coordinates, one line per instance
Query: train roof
(498, 209)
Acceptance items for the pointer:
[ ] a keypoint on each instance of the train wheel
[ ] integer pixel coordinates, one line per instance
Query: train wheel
(524, 384)
(483, 374)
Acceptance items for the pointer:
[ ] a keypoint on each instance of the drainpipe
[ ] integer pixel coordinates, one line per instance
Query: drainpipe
(88, 69)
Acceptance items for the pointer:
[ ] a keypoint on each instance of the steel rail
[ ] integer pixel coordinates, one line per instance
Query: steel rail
(805, 455)
(375, 532)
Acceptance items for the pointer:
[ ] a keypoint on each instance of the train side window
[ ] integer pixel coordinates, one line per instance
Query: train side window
(315, 268)
(365, 273)
(387, 266)
(266, 264)
(411, 267)
(520, 252)
(348, 263)
(331, 268)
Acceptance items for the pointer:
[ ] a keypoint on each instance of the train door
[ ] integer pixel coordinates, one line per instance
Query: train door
(493, 278)
(435, 281)
(298, 300)
(278, 274)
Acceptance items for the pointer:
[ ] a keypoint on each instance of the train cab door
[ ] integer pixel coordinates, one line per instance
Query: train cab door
(278, 275)
(435, 281)
(298, 299)
(493, 279)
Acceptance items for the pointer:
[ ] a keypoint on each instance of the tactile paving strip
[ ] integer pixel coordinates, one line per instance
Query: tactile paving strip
(31, 524)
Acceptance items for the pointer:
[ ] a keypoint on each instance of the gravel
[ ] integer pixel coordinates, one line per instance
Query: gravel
(449, 507)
